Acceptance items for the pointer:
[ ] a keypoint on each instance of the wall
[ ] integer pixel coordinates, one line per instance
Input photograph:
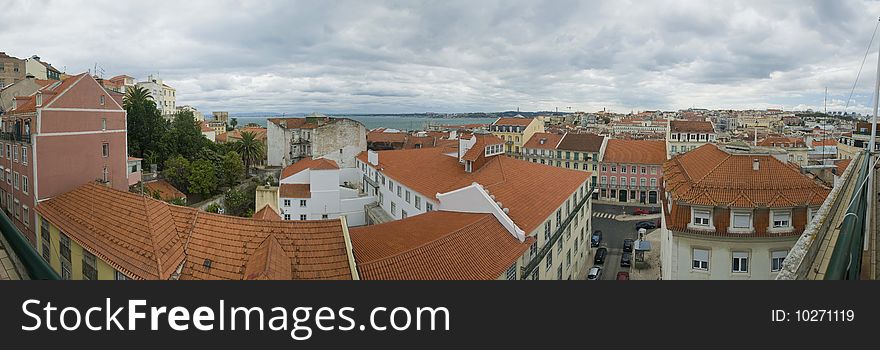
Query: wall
(105, 271)
(653, 172)
(277, 140)
(24, 87)
(266, 195)
(720, 256)
(346, 135)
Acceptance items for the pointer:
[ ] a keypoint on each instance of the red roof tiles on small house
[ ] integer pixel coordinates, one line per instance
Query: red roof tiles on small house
(635, 151)
(164, 190)
(543, 140)
(437, 245)
(267, 213)
(691, 126)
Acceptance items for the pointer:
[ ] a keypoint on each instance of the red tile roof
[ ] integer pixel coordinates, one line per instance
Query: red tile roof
(581, 142)
(308, 163)
(50, 92)
(387, 137)
(437, 245)
(295, 191)
(825, 142)
(531, 191)
(150, 239)
(259, 134)
(691, 126)
(513, 121)
(267, 213)
(712, 177)
(635, 151)
(543, 140)
(164, 190)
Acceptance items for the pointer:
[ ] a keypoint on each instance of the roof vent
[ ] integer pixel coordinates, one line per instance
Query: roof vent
(208, 263)
(756, 164)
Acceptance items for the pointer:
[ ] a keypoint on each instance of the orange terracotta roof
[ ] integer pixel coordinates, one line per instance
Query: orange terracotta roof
(531, 191)
(691, 126)
(134, 234)
(267, 213)
(389, 137)
(543, 140)
(712, 177)
(295, 191)
(149, 239)
(437, 245)
(513, 121)
(165, 190)
(825, 142)
(204, 126)
(221, 137)
(259, 133)
(635, 151)
(308, 163)
(479, 147)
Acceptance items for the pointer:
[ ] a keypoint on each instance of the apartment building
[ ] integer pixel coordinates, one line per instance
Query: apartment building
(165, 96)
(66, 134)
(12, 70)
(795, 148)
(851, 144)
(516, 132)
(152, 240)
(729, 215)
(41, 70)
(316, 136)
(631, 171)
(570, 150)
(686, 135)
(547, 205)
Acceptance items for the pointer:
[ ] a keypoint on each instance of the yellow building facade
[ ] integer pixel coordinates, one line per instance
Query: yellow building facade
(68, 258)
(515, 132)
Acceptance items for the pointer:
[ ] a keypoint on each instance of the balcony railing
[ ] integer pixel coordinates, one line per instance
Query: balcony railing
(9, 136)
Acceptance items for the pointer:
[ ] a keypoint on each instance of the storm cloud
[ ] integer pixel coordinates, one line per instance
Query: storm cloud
(457, 56)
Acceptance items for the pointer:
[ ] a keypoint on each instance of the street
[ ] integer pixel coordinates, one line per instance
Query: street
(613, 234)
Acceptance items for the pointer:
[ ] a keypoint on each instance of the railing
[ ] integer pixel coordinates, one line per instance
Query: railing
(370, 181)
(846, 259)
(35, 266)
(536, 260)
(9, 136)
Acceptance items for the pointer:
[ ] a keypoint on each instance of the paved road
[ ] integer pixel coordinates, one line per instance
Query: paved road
(613, 234)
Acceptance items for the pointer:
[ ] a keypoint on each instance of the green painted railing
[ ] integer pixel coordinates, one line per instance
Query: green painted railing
(35, 266)
(846, 258)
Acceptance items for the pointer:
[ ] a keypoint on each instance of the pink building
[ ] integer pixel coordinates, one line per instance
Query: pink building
(66, 134)
(632, 171)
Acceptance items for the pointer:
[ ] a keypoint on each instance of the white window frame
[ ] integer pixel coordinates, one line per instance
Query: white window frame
(734, 214)
(286, 203)
(739, 262)
(777, 255)
(700, 259)
(701, 225)
(773, 221)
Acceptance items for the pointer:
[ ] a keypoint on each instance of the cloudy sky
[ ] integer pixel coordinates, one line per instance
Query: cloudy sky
(458, 56)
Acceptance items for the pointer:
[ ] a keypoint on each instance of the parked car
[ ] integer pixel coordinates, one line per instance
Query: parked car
(648, 225)
(623, 276)
(626, 259)
(640, 211)
(595, 273)
(600, 255)
(627, 245)
(596, 238)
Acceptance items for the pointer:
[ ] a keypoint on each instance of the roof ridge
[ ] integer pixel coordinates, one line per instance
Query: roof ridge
(150, 236)
(481, 217)
(699, 182)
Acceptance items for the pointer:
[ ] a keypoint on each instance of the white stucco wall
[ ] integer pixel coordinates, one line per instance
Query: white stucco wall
(678, 255)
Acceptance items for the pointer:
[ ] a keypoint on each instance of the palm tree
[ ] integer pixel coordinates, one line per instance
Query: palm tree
(136, 96)
(250, 149)
(234, 122)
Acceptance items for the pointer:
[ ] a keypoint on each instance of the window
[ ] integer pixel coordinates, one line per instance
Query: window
(701, 259)
(603, 180)
(674, 149)
(103, 122)
(511, 272)
(89, 266)
(623, 169)
(533, 249)
(15, 153)
(604, 168)
(702, 217)
(654, 182)
(390, 185)
(15, 180)
(120, 276)
(776, 260)
(614, 168)
(623, 180)
(26, 215)
(393, 208)
(547, 232)
(429, 206)
(286, 216)
(741, 220)
(324, 216)
(418, 202)
(105, 175)
(740, 262)
(24, 155)
(558, 217)
(632, 169)
(559, 273)
(105, 150)
(653, 170)
(398, 191)
(44, 234)
(549, 259)
(286, 202)
(407, 196)
(614, 181)
(781, 219)
(643, 181)
(64, 248)
(65, 270)
(302, 203)
(302, 216)
(644, 170)
(568, 259)
(403, 214)
(8, 151)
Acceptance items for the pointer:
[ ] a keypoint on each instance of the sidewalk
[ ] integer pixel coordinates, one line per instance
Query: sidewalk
(626, 204)
(652, 259)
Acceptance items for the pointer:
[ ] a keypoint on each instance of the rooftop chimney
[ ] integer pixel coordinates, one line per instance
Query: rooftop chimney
(756, 164)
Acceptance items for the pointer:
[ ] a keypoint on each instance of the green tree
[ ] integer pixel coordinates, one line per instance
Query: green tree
(145, 125)
(177, 171)
(213, 208)
(237, 202)
(202, 178)
(231, 168)
(250, 149)
(233, 122)
(184, 137)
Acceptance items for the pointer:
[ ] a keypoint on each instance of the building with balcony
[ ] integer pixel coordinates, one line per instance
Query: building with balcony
(66, 134)
(315, 136)
(548, 205)
(570, 150)
(631, 171)
(729, 215)
(515, 132)
(165, 96)
(686, 135)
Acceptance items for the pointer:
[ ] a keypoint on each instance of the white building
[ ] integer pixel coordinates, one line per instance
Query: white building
(164, 95)
(317, 136)
(315, 189)
(197, 116)
(532, 201)
(686, 135)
